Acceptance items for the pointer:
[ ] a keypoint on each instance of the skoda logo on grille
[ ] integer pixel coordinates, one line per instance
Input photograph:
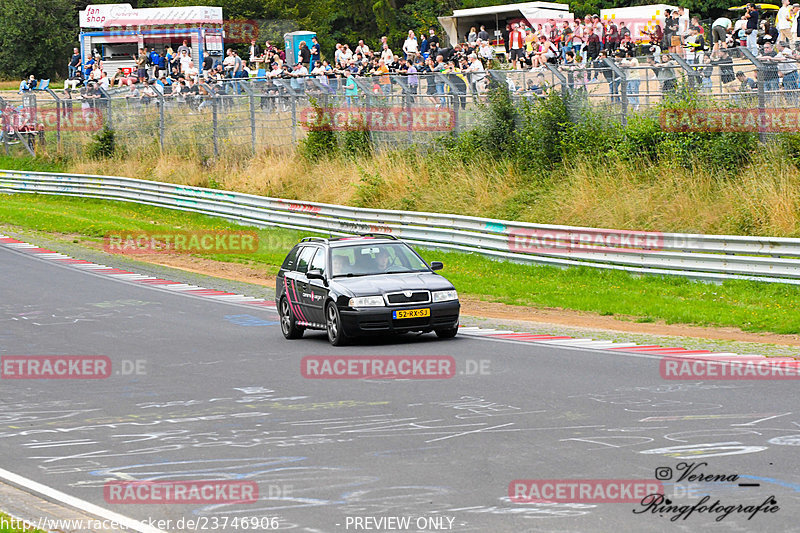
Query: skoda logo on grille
(407, 294)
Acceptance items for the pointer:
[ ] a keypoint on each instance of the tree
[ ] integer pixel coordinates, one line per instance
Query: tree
(36, 37)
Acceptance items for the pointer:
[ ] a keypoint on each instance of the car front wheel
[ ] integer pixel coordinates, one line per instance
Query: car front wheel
(333, 323)
(289, 326)
(448, 333)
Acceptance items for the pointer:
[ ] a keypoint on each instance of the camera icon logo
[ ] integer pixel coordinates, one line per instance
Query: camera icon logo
(663, 473)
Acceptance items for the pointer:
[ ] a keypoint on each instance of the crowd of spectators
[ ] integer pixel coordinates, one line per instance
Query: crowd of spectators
(586, 51)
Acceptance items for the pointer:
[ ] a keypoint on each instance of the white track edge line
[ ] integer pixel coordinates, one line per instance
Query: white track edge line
(90, 508)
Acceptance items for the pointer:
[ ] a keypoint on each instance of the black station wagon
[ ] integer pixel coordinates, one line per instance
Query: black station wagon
(365, 285)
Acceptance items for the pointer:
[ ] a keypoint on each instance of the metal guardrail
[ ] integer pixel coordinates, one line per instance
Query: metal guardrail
(705, 257)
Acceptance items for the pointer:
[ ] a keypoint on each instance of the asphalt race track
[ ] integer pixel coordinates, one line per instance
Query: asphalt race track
(205, 390)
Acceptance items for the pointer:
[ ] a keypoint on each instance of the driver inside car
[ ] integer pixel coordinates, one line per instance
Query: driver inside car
(382, 260)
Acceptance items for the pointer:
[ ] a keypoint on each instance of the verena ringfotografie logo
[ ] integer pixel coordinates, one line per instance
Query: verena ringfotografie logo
(524, 240)
(378, 367)
(710, 367)
(180, 492)
(188, 242)
(377, 119)
(777, 120)
(582, 490)
(55, 367)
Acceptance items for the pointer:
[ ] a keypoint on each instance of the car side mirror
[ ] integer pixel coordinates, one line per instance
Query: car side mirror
(315, 274)
(437, 265)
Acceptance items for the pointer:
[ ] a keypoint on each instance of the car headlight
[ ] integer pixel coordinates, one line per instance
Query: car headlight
(366, 301)
(444, 296)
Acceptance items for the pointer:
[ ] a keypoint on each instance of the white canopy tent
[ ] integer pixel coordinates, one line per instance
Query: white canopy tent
(495, 18)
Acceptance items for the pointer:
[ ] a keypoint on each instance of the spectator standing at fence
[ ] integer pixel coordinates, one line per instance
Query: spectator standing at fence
(795, 31)
(362, 49)
(411, 46)
(476, 74)
(787, 69)
(746, 88)
(316, 51)
(350, 89)
(695, 45)
(386, 54)
(229, 63)
(74, 62)
(254, 53)
(684, 26)
(632, 75)
(413, 78)
(719, 32)
(483, 35)
(769, 73)
(516, 45)
(184, 58)
(665, 74)
(185, 46)
(304, 54)
(141, 66)
(783, 21)
(751, 28)
(486, 53)
(152, 61)
(723, 60)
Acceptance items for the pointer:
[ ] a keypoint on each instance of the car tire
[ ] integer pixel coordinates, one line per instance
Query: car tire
(333, 325)
(448, 333)
(289, 326)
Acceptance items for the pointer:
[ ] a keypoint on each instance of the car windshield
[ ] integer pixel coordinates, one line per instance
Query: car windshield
(367, 259)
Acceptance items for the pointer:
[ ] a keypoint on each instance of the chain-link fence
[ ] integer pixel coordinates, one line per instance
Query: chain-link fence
(241, 116)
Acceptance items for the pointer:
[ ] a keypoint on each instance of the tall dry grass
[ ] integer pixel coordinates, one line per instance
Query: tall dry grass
(763, 199)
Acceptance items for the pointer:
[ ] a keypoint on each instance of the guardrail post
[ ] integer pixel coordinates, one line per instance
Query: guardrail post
(252, 123)
(160, 121)
(623, 89)
(214, 132)
(294, 119)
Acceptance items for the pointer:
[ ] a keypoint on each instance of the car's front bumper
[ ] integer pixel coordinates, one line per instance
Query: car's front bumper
(375, 320)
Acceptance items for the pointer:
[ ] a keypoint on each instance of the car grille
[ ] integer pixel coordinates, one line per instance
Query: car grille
(412, 322)
(417, 297)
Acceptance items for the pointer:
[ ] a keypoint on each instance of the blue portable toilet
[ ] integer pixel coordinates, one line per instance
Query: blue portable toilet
(291, 42)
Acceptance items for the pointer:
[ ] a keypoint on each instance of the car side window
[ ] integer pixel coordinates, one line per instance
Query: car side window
(305, 258)
(291, 259)
(318, 262)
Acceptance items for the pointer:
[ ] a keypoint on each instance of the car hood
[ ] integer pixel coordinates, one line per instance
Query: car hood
(383, 283)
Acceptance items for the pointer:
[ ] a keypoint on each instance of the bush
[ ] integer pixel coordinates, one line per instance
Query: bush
(356, 142)
(103, 144)
(320, 139)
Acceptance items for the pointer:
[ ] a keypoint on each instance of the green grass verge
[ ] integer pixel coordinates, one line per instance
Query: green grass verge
(747, 305)
(32, 164)
(6, 522)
